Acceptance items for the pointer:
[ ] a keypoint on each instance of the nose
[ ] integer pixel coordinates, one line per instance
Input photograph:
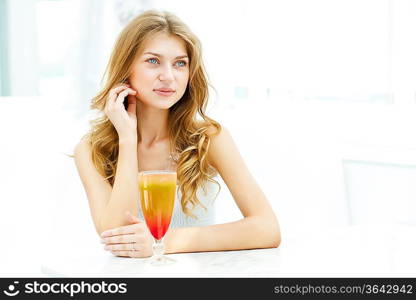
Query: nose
(166, 73)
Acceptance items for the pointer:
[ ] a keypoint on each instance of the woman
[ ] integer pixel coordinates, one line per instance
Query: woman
(155, 87)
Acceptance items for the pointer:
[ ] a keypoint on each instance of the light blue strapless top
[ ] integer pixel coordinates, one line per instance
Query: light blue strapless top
(204, 217)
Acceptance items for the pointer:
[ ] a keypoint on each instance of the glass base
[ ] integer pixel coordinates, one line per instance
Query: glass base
(158, 258)
(161, 260)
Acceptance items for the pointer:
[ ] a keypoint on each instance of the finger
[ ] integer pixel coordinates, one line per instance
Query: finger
(120, 239)
(121, 247)
(125, 253)
(132, 254)
(128, 229)
(114, 91)
(123, 94)
(112, 95)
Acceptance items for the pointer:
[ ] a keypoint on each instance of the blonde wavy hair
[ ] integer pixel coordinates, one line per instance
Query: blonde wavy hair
(190, 138)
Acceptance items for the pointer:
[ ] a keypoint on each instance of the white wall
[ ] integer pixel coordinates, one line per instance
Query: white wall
(22, 48)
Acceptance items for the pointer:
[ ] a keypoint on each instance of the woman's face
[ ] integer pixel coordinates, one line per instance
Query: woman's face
(160, 72)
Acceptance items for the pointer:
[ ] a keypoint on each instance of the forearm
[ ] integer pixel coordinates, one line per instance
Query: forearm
(248, 233)
(125, 193)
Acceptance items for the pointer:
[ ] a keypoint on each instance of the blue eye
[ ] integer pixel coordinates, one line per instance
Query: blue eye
(182, 61)
(152, 59)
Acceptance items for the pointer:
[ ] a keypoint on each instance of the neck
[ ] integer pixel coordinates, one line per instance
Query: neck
(152, 125)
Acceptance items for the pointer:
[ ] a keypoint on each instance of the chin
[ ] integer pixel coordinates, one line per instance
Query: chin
(158, 104)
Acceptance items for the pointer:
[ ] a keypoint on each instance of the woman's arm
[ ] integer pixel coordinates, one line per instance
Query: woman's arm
(258, 229)
(108, 204)
(248, 233)
(125, 193)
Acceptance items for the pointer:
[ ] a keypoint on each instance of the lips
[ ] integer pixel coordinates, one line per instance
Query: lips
(164, 91)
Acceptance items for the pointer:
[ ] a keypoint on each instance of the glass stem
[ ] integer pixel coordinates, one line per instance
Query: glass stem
(158, 248)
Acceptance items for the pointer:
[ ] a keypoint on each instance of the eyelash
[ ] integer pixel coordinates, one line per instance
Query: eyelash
(184, 62)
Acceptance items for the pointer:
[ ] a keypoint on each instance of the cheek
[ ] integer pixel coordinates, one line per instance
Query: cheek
(183, 80)
(141, 80)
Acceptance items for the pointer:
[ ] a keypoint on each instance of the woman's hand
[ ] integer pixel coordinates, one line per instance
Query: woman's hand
(125, 122)
(134, 240)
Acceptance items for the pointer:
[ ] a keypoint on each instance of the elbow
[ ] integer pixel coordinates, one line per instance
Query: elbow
(274, 237)
(98, 229)
(99, 232)
(277, 234)
(275, 240)
(105, 223)
(269, 230)
(101, 226)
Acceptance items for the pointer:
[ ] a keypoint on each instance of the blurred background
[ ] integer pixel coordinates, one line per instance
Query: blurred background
(320, 97)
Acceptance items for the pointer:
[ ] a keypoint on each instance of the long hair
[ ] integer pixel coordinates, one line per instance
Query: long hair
(190, 138)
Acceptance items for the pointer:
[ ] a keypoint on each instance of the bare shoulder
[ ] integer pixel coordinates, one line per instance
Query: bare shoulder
(221, 147)
(213, 130)
(219, 136)
(84, 143)
(83, 159)
(82, 148)
(94, 183)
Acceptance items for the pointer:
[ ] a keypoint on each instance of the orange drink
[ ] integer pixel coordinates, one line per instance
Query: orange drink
(157, 198)
(157, 191)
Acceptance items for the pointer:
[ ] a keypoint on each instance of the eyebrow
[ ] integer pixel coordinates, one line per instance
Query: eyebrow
(160, 55)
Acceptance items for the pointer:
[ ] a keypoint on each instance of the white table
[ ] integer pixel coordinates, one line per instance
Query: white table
(355, 251)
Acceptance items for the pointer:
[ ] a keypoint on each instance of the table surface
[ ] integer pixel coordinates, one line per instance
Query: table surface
(353, 251)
